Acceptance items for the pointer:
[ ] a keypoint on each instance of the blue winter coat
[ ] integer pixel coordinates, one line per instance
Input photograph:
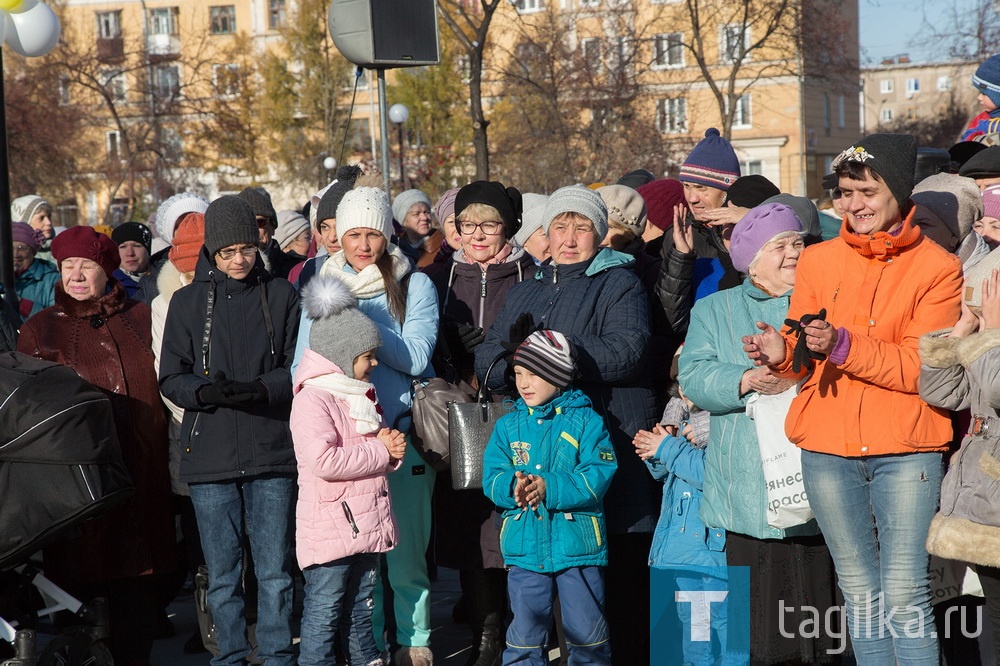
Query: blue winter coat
(602, 307)
(711, 365)
(38, 285)
(565, 442)
(681, 538)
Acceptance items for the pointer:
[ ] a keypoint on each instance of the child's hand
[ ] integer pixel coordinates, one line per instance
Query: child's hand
(520, 494)
(535, 490)
(395, 442)
(646, 443)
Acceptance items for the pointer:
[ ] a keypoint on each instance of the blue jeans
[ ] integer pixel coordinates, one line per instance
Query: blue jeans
(875, 513)
(339, 593)
(227, 512)
(581, 597)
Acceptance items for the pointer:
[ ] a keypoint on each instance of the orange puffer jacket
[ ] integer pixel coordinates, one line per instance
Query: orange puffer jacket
(886, 291)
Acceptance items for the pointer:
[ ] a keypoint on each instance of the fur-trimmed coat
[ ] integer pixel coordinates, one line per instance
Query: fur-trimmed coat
(960, 373)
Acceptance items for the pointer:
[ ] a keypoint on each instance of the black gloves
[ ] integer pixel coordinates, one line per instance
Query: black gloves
(224, 392)
(522, 327)
(461, 336)
(802, 356)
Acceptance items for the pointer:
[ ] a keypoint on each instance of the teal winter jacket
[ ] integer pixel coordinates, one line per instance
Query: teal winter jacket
(37, 286)
(565, 442)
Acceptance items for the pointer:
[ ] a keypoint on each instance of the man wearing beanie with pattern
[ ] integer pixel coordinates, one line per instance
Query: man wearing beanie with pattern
(987, 81)
(227, 350)
(871, 448)
(547, 466)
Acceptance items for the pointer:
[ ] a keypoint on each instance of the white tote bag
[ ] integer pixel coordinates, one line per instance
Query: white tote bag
(787, 504)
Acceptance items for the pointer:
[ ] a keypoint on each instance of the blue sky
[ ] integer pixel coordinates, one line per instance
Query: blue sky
(906, 17)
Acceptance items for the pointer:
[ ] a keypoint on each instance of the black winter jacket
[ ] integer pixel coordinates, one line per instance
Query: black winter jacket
(246, 343)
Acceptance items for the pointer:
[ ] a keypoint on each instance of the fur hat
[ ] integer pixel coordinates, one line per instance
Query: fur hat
(260, 203)
(626, 207)
(290, 224)
(892, 156)
(713, 162)
(404, 201)
(581, 200)
(532, 217)
(83, 241)
(366, 207)
(229, 220)
(133, 231)
(507, 200)
(340, 332)
(947, 207)
(22, 209)
(548, 354)
(750, 191)
(661, 196)
(987, 79)
(188, 240)
(173, 209)
(758, 227)
(326, 208)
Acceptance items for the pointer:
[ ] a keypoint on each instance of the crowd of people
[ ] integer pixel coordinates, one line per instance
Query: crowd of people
(647, 333)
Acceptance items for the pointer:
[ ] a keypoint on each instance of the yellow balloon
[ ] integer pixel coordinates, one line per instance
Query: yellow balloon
(10, 5)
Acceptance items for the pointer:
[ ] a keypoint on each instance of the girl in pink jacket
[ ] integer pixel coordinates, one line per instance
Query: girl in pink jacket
(343, 519)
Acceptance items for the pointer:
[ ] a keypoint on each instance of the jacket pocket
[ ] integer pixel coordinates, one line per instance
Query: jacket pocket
(189, 434)
(581, 533)
(512, 537)
(915, 424)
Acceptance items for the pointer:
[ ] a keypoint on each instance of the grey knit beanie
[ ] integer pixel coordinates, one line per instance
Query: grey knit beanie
(532, 217)
(229, 220)
(340, 331)
(581, 200)
(404, 200)
(260, 203)
(947, 207)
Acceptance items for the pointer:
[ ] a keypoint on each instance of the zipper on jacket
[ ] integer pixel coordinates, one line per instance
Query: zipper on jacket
(597, 530)
(680, 509)
(555, 274)
(194, 425)
(482, 300)
(482, 285)
(350, 519)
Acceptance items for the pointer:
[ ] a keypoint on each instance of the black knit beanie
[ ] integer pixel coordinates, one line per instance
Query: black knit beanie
(892, 156)
(229, 220)
(507, 200)
(750, 191)
(260, 203)
(133, 231)
(327, 209)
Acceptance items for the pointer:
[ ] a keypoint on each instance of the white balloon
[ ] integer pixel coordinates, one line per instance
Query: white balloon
(24, 6)
(34, 32)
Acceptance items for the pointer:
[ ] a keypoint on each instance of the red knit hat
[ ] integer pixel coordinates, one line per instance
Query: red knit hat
(188, 239)
(661, 196)
(83, 241)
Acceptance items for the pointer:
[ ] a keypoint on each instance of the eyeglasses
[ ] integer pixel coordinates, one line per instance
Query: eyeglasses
(490, 227)
(228, 253)
(575, 228)
(783, 245)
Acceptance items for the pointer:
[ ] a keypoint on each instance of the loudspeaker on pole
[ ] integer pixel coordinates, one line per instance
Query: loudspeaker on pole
(384, 34)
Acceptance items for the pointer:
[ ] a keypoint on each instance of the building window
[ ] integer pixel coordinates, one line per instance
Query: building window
(912, 86)
(885, 86)
(222, 19)
(590, 3)
(112, 143)
(671, 115)
(115, 84)
(741, 117)
(64, 97)
(624, 53)
(530, 5)
(591, 49)
(166, 82)
(173, 145)
(276, 14)
(734, 40)
(841, 113)
(669, 49)
(163, 21)
(109, 24)
(827, 113)
(886, 115)
(752, 168)
(944, 83)
(226, 79)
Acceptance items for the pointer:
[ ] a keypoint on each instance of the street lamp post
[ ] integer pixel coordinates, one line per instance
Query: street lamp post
(399, 114)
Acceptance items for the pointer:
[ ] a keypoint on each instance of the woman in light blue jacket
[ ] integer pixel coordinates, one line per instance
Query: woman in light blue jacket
(716, 375)
(403, 304)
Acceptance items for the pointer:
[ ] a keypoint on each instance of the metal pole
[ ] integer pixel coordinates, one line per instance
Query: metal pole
(6, 233)
(402, 167)
(383, 117)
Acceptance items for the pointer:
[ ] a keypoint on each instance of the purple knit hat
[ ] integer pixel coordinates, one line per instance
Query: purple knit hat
(991, 201)
(756, 228)
(445, 206)
(22, 232)
(713, 162)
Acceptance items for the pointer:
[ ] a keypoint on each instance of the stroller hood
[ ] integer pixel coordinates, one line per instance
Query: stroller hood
(60, 462)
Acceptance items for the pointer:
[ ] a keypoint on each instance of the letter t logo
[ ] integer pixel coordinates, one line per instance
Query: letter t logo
(701, 602)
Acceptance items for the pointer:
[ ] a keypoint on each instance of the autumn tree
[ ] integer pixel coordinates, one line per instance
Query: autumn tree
(965, 29)
(938, 130)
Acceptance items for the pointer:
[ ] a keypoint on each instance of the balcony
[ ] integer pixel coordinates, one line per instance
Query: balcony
(163, 47)
(111, 49)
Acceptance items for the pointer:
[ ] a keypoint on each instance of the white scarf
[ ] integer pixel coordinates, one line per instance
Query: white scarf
(368, 282)
(360, 397)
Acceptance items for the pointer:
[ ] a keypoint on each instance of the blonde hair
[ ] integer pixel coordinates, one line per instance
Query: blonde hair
(479, 212)
(373, 179)
(628, 235)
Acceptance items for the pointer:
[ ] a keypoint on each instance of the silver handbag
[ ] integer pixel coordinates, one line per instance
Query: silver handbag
(470, 425)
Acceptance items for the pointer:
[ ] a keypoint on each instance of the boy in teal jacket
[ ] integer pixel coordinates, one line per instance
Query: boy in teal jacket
(547, 466)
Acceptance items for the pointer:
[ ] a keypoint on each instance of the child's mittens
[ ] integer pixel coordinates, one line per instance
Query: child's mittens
(675, 412)
(802, 355)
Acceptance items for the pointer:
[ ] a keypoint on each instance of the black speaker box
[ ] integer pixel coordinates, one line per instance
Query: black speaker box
(386, 33)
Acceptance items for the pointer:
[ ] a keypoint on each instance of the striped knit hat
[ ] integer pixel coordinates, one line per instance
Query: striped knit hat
(548, 354)
(987, 79)
(713, 162)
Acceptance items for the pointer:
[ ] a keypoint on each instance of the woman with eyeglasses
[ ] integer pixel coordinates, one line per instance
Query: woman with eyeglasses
(471, 288)
(227, 348)
(590, 294)
(403, 305)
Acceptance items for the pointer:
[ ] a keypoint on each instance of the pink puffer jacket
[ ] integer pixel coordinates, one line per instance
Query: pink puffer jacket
(344, 506)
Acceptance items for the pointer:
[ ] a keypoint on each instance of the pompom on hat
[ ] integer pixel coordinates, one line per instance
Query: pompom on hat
(712, 163)
(548, 354)
(340, 332)
(758, 227)
(82, 241)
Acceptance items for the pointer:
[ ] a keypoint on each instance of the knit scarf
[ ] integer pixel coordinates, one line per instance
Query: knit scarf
(367, 283)
(883, 243)
(359, 396)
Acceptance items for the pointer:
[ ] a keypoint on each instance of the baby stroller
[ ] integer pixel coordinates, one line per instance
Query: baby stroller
(60, 464)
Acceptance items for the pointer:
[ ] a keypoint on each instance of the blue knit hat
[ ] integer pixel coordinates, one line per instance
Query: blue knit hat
(987, 79)
(713, 162)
